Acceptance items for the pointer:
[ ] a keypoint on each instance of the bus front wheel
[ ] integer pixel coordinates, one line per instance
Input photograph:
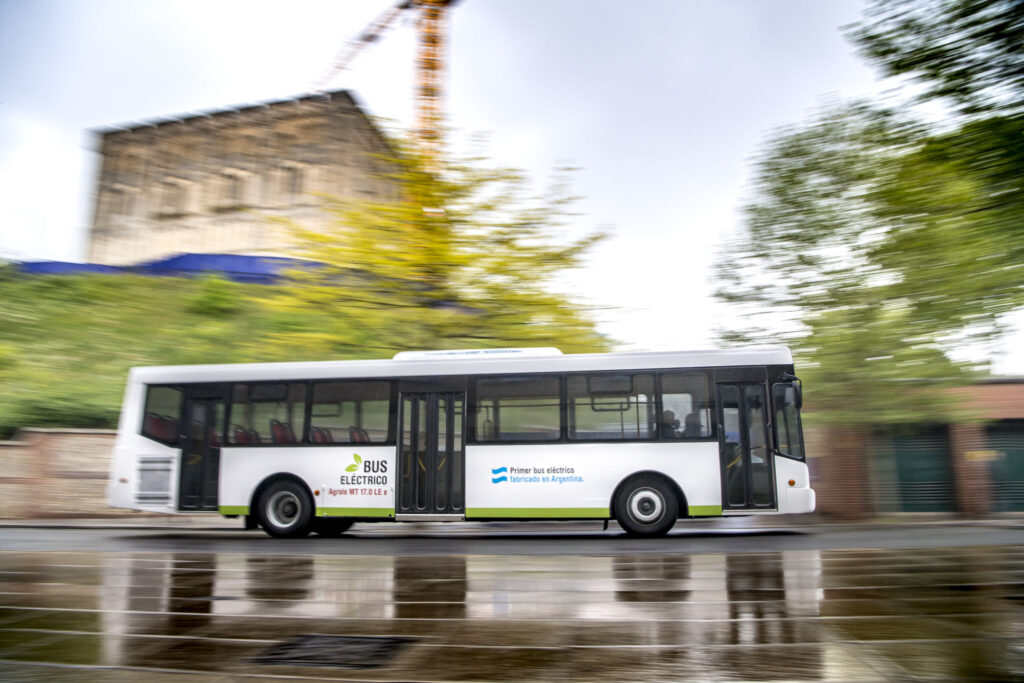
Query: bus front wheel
(646, 506)
(285, 509)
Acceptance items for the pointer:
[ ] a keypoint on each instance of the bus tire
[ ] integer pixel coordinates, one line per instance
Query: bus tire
(646, 506)
(331, 527)
(285, 509)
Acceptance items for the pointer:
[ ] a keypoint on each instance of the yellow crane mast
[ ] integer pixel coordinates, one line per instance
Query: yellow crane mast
(431, 30)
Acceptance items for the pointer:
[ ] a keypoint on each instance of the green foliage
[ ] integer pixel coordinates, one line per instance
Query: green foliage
(967, 52)
(955, 217)
(460, 256)
(67, 341)
(879, 252)
(217, 297)
(881, 248)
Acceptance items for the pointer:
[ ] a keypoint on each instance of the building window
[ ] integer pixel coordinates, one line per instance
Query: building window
(127, 203)
(293, 181)
(116, 201)
(172, 201)
(233, 189)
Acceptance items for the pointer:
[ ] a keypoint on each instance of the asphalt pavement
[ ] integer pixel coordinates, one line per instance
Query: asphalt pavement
(102, 600)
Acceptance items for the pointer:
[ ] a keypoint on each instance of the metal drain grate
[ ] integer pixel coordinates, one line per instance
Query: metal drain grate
(343, 652)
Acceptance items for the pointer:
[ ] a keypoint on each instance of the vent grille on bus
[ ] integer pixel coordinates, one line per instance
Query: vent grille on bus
(154, 481)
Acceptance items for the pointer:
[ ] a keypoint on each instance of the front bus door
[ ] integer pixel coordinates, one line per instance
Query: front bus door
(430, 455)
(748, 478)
(200, 452)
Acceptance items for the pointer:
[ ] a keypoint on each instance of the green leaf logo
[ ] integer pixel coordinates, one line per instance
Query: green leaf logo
(354, 466)
(358, 459)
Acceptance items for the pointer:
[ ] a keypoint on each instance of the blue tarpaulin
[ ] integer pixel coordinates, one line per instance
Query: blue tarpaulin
(237, 267)
(65, 267)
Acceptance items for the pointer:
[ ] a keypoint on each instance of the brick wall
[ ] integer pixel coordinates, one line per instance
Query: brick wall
(56, 473)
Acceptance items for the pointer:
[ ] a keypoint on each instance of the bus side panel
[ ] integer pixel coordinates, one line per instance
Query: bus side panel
(799, 497)
(346, 481)
(578, 480)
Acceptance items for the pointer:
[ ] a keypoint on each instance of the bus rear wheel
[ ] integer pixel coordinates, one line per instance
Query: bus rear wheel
(646, 506)
(285, 509)
(331, 528)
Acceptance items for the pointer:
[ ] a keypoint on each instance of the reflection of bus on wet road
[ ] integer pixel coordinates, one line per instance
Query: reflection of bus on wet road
(642, 438)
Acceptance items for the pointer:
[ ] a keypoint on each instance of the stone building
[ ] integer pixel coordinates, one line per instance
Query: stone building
(211, 182)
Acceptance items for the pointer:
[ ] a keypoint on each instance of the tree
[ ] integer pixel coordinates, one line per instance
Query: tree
(969, 53)
(954, 211)
(881, 246)
(840, 256)
(459, 256)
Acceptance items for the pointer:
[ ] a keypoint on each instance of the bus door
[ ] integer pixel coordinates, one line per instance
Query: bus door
(431, 452)
(748, 473)
(205, 408)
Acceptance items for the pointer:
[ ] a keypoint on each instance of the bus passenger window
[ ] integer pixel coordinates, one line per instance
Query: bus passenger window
(518, 409)
(162, 420)
(614, 406)
(686, 396)
(267, 413)
(351, 412)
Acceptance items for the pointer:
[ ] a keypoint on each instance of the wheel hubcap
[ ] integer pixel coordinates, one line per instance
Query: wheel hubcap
(646, 505)
(283, 509)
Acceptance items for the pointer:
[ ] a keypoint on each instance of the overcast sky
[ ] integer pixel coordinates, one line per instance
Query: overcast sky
(661, 103)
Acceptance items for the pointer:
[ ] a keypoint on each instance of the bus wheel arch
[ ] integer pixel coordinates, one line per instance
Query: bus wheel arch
(284, 506)
(647, 503)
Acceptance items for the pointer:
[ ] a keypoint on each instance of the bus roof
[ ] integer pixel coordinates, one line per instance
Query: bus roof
(454, 363)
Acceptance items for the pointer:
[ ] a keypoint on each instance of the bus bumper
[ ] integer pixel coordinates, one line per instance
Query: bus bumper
(800, 500)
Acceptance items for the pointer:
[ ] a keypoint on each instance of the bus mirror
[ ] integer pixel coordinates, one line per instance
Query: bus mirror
(798, 389)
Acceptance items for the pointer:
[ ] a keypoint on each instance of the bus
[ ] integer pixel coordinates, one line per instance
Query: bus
(643, 438)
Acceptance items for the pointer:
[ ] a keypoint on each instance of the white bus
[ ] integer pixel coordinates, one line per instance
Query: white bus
(498, 434)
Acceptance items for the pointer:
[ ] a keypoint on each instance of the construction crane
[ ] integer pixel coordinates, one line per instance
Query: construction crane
(431, 27)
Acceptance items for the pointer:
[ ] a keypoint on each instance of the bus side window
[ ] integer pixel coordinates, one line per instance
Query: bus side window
(354, 411)
(686, 396)
(162, 421)
(611, 407)
(518, 409)
(267, 413)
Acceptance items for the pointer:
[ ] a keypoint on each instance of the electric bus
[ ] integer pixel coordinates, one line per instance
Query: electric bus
(644, 439)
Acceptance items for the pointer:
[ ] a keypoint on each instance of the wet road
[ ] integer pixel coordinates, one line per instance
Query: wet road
(920, 603)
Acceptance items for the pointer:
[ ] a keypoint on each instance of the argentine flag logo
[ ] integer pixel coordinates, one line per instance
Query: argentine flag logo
(499, 474)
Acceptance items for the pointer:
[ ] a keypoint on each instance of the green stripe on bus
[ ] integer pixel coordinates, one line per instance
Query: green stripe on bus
(234, 509)
(537, 513)
(705, 510)
(355, 512)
